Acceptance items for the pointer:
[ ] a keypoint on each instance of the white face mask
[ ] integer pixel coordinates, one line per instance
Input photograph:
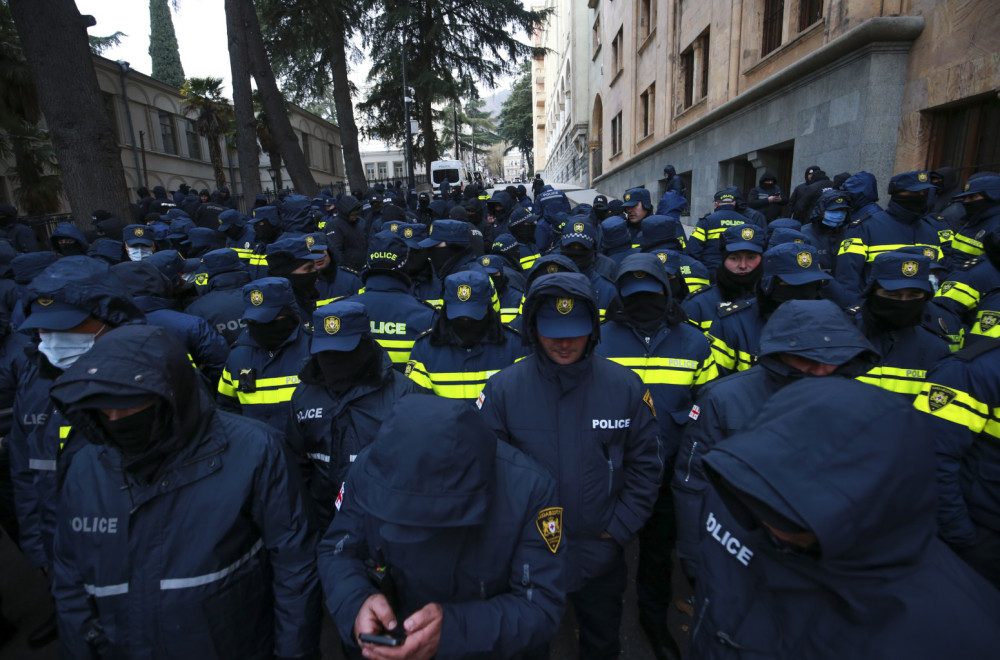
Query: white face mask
(62, 349)
(139, 253)
(189, 277)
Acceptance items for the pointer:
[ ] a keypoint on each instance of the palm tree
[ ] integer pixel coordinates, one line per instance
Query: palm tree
(213, 117)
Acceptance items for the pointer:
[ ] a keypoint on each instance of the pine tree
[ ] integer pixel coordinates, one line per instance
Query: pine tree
(516, 117)
(163, 45)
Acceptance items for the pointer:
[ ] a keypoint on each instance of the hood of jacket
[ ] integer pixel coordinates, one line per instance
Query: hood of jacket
(142, 279)
(858, 481)
(431, 465)
(296, 213)
(672, 203)
(69, 230)
(768, 174)
(863, 189)
(137, 360)
(615, 234)
(574, 285)
(86, 283)
(810, 170)
(818, 330)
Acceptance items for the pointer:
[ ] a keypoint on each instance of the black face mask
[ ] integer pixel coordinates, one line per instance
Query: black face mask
(584, 260)
(974, 209)
(645, 307)
(271, 335)
(892, 314)
(304, 284)
(733, 286)
(469, 331)
(343, 370)
(500, 281)
(234, 231)
(991, 247)
(70, 250)
(266, 232)
(785, 292)
(524, 233)
(441, 256)
(135, 434)
(416, 262)
(678, 288)
(916, 205)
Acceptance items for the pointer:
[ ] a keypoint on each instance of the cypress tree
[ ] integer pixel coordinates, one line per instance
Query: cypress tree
(163, 45)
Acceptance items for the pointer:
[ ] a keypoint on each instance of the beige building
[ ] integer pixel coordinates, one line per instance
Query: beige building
(723, 89)
(384, 165)
(160, 147)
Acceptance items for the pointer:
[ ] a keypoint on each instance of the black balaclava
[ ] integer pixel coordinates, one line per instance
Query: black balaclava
(273, 334)
(343, 370)
(991, 248)
(470, 331)
(678, 288)
(416, 261)
(913, 204)
(303, 284)
(584, 259)
(784, 292)
(733, 286)
(265, 231)
(233, 231)
(524, 232)
(500, 281)
(140, 438)
(442, 256)
(975, 209)
(888, 314)
(646, 309)
(70, 249)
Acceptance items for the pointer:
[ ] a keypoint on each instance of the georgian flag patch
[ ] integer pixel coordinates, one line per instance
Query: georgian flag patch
(695, 412)
(481, 400)
(340, 497)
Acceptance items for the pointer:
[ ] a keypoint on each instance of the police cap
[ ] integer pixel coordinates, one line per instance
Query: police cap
(339, 326)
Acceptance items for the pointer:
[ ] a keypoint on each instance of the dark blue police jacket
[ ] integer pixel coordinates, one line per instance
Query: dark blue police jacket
(483, 556)
(397, 316)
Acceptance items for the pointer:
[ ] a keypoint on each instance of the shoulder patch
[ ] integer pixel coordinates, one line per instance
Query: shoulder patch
(480, 401)
(409, 368)
(549, 523)
(695, 412)
(938, 397)
(647, 398)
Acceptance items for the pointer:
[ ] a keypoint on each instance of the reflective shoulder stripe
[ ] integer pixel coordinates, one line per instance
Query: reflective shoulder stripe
(185, 583)
(853, 246)
(110, 590)
(960, 292)
(264, 397)
(64, 432)
(895, 379)
(226, 386)
(698, 234)
(46, 465)
(319, 457)
(963, 409)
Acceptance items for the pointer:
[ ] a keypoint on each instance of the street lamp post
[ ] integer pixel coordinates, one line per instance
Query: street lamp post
(411, 183)
(123, 68)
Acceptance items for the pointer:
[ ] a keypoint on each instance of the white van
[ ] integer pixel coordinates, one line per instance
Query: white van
(452, 170)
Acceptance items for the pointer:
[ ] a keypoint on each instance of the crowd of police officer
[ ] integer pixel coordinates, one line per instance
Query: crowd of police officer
(447, 417)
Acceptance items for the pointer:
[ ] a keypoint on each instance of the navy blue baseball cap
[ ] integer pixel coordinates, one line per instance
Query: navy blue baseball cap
(743, 237)
(503, 244)
(726, 195)
(173, 214)
(842, 201)
(220, 261)
(267, 214)
(386, 251)
(793, 263)
(180, 227)
(202, 237)
(635, 196)
(300, 247)
(454, 232)
(489, 264)
(264, 299)
(339, 326)
(317, 242)
(137, 235)
(49, 314)
(635, 281)
(559, 317)
(520, 216)
(671, 260)
(898, 270)
(987, 186)
(914, 181)
(658, 229)
(411, 232)
(578, 231)
(786, 235)
(229, 218)
(468, 293)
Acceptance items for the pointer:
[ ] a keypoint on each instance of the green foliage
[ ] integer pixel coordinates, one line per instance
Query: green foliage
(476, 128)
(163, 45)
(213, 117)
(516, 116)
(98, 45)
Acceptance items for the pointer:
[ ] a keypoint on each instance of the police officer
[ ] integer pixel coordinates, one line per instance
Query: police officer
(579, 244)
(397, 317)
(464, 560)
(424, 283)
(791, 272)
(902, 223)
(736, 278)
(292, 258)
(981, 199)
(20, 236)
(67, 240)
(637, 206)
(510, 296)
(589, 422)
(616, 241)
(182, 531)
(346, 233)
(895, 303)
(266, 230)
(139, 243)
(829, 219)
(705, 242)
(263, 368)
(522, 226)
(333, 281)
(645, 331)
(862, 189)
(767, 196)
(221, 302)
(498, 211)
(467, 343)
(239, 234)
(661, 232)
(346, 391)
(448, 249)
(966, 288)
(792, 543)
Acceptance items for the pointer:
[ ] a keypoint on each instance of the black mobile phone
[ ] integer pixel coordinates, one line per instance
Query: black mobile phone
(382, 640)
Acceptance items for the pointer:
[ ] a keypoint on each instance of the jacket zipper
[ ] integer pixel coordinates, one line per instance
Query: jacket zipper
(694, 446)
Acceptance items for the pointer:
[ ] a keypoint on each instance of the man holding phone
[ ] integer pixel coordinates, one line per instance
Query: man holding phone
(446, 542)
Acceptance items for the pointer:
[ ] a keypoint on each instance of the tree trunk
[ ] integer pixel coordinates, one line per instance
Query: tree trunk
(430, 139)
(356, 179)
(246, 130)
(90, 159)
(215, 155)
(274, 106)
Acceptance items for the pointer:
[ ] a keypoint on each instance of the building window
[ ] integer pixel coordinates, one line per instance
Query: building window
(305, 149)
(616, 134)
(167, 133)
(694, 70)
(646, 109)
(774, 11)
(687, 71)
(810, 12)
(703, 40)
(596, 36)
(370, 170)
(646, 14)
(397, 170)
(966, 137)
(193, 140)
(617, 62)
(383, 170)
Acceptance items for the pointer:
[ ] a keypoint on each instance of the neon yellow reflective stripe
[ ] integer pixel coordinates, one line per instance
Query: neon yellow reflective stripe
(508, 314)
(875, 250)
(276, 382)
(696, 284)
(967, 245)
(963, 409)
(661, 371)
(716, 233)
(437, 303)
(988, 329)
(960, 292)
(64, 432)
(725, 357)
(529, 261)
(258, 259)
(698, 234)
(279, 395)
(398, 349)
(895, 379)
(682, 242)
(709, 371)
(453, 385)
(853, 246)
(226, 386)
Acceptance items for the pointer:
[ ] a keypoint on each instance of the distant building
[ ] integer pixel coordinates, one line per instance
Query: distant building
(162, 148)
(724, 89)
(384, 165)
